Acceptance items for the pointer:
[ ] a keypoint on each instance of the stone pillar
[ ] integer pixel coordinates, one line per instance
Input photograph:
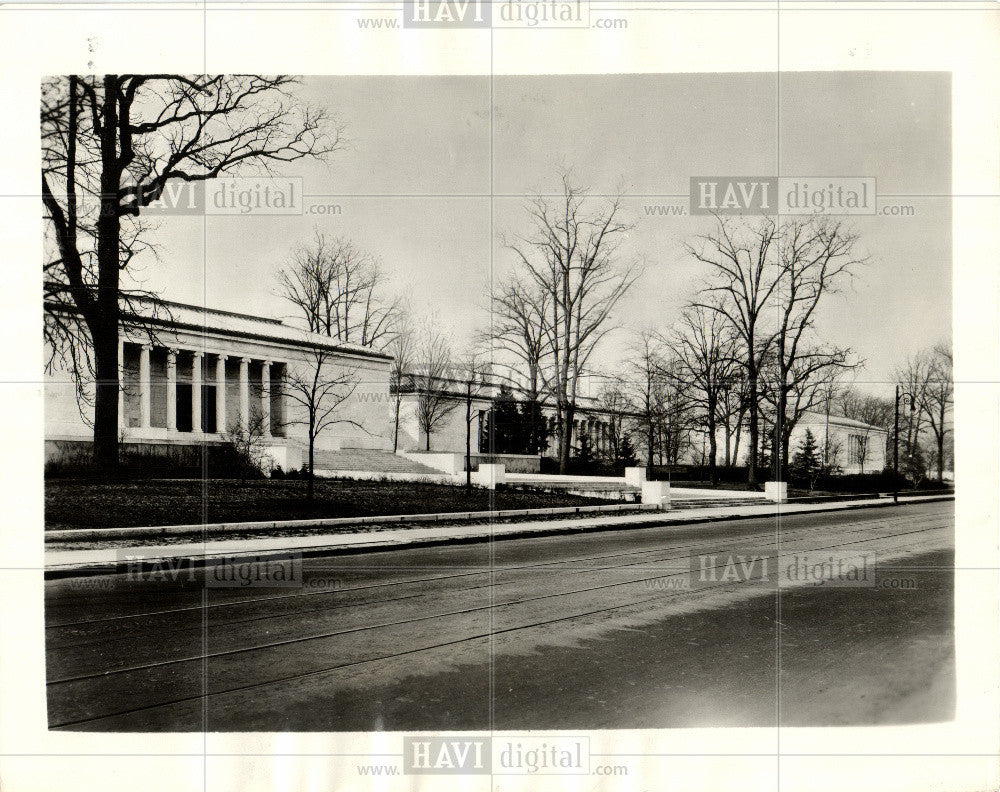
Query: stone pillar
(244, 417)
(144, 384)
(171, 390)
(196, 393)
(220, 394)
(121, 384)
(265, 397)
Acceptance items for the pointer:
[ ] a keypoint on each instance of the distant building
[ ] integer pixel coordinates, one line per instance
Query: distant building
(848, 445)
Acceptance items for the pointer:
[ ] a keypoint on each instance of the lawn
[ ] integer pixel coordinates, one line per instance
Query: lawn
(86, 504)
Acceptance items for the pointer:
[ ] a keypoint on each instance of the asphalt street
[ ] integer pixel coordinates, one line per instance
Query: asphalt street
(718, 624)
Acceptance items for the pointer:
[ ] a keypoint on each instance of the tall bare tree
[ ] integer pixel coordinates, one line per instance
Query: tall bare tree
(110, 147)
(432, 378)
(704, 346)
(646, 371)
(816, 256)
(768, 281)
(913, 378)
(340, 291)
(572, 279)
(320, 388)
(744, 279)
(519, 316)
(616, 404)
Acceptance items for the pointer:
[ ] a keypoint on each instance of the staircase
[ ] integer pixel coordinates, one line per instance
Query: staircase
(361, 459)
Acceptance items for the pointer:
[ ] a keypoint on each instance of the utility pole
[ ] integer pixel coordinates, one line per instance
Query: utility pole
(907, 399)
(468, 434)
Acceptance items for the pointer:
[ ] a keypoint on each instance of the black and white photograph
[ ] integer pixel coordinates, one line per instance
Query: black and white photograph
(525, 426)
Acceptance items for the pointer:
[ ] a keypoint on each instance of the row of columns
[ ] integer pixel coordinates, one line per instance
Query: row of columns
(197, 381)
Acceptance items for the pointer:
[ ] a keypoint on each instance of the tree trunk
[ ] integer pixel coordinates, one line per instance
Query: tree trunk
(427, 442)
(713, 446)
(650, 444)
(104, 326)
(940, 442)
(754, 427)
(567, 439)
(311, 483)
(468, 440)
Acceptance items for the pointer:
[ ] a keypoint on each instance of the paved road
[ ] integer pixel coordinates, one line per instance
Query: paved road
(678, 626)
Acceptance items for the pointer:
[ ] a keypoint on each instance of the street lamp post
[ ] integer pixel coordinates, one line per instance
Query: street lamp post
(908, 400)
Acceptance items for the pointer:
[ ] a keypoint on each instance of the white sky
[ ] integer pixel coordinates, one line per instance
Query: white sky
(414, 189)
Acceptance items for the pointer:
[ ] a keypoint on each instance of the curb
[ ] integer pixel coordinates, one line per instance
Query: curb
(197, 529)
(561, 529)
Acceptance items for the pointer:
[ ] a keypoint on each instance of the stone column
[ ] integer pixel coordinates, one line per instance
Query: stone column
(171, 390)
(121, 384)
(265, 397)
(220, 394)
(196, 393)
(144, 384)
(244, 392)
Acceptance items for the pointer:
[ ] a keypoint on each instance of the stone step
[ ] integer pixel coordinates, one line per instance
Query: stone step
(367, 460)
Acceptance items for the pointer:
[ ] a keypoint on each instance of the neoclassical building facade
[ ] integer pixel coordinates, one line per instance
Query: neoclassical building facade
(189, 375)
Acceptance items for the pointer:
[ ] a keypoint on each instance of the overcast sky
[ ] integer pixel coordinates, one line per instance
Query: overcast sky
(414, 184)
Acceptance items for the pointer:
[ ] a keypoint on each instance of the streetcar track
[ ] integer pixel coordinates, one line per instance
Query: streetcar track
(338, 606)
(465, 611)
(232, 603)
(367, 661)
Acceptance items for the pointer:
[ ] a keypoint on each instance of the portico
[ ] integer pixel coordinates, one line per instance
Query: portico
(183, 392)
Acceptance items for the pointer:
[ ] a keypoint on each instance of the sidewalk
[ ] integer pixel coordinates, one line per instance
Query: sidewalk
(69, 563)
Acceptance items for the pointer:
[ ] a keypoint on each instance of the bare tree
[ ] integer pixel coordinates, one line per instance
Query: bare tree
(704, 346)
(246, 442)
(319, 387)
(340, 292)
(474, 372)
(616, 404)
(572, 280)
(743, 281)
(645, 381)
(913, 378)
(402, 348)
(808, 378)
(767, 281)
(519, 326)
(431, 380)
(815, 257)
(110, 147)
(938, 398)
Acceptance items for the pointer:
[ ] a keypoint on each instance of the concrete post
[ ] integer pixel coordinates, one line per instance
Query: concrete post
(635, 476)
(776, 491)
(144, 384)
(171, 390)
(491, 475)
(196, 393)
(265, 397)
(657, 493)
(220, 394)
